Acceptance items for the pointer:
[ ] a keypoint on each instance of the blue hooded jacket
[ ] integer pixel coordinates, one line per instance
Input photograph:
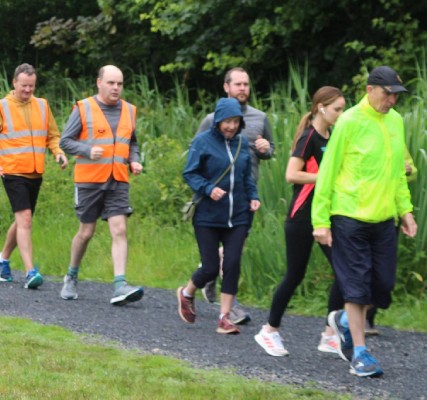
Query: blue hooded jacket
(209, 156)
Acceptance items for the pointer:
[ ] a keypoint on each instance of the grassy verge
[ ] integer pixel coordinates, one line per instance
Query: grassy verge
(48, 362)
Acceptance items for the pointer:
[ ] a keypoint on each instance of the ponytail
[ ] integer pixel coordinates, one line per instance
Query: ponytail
(304, 123)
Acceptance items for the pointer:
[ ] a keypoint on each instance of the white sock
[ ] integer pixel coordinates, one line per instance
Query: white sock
(185, 293)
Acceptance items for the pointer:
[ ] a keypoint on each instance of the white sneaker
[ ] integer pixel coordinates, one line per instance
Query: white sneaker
(328, 344)
(272, 343)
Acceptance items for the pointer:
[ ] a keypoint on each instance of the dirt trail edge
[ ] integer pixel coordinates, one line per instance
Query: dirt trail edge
(153, 326)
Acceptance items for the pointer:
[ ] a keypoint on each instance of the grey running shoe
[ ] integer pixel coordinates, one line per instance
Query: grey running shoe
(6, 273)
(126, 294)
(238, 315)
(33, 279)
(345, 342)
(69, 289)
(209, 291)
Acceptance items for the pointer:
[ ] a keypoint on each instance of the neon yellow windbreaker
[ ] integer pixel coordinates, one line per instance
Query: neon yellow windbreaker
(362, 174)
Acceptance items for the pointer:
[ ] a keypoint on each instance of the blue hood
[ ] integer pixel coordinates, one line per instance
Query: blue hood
(228, 107)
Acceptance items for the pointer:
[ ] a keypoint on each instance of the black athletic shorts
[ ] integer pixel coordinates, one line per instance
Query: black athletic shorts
(22, 192)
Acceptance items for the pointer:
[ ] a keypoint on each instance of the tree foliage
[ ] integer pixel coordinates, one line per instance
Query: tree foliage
(19, 20)
(198, 41)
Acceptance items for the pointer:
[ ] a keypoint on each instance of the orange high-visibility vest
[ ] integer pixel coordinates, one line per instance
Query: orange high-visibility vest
(96, 131)
(23, 147)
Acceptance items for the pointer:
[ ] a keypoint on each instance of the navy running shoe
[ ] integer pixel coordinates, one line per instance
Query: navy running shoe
(6, 273)
(365, 365)
(345, 343)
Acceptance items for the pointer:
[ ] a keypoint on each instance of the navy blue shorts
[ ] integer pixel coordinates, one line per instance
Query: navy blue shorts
(364, 257)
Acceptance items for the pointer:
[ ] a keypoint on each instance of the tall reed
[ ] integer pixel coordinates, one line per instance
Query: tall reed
(414, 110)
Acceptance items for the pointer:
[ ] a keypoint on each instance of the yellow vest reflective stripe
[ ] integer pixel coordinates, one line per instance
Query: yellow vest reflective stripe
(96, 131)
(23, 147)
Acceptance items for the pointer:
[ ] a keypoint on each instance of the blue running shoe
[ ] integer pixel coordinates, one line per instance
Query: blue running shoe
(365, 365)
(33, 279)
(6, 273)
(345, 343)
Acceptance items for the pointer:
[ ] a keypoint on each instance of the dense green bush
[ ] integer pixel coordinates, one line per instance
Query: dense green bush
(161, 191)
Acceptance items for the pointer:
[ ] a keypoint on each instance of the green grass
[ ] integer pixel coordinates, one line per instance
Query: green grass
(49, 362)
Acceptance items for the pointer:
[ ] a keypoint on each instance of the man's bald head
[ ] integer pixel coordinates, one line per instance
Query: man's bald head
(110, 84)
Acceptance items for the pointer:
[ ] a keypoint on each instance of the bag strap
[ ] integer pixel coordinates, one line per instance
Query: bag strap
(226, 170)
(232, 163)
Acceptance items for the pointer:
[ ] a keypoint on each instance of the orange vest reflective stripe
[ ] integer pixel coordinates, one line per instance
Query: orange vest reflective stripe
(96, 131)
(23, 147)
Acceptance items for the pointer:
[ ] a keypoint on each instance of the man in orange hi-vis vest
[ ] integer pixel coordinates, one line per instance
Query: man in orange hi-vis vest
(27, 128)
(100, 133)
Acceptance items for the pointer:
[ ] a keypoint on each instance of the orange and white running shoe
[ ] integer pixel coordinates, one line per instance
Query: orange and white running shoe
(271, 342)
(328, 344)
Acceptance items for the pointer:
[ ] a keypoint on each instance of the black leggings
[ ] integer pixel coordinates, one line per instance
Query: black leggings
(299, 243)
(208, 240)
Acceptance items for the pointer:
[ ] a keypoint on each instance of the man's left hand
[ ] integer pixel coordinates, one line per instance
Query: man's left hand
(136, 168)
(262, 145)
(409, 226)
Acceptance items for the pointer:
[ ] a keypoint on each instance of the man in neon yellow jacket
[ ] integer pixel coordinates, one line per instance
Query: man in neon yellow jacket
(361, 187)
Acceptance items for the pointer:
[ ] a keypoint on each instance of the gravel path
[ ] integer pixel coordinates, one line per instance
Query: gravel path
(153, 326)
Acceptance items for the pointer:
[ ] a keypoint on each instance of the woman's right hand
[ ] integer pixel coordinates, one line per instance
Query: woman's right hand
(217, 193)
